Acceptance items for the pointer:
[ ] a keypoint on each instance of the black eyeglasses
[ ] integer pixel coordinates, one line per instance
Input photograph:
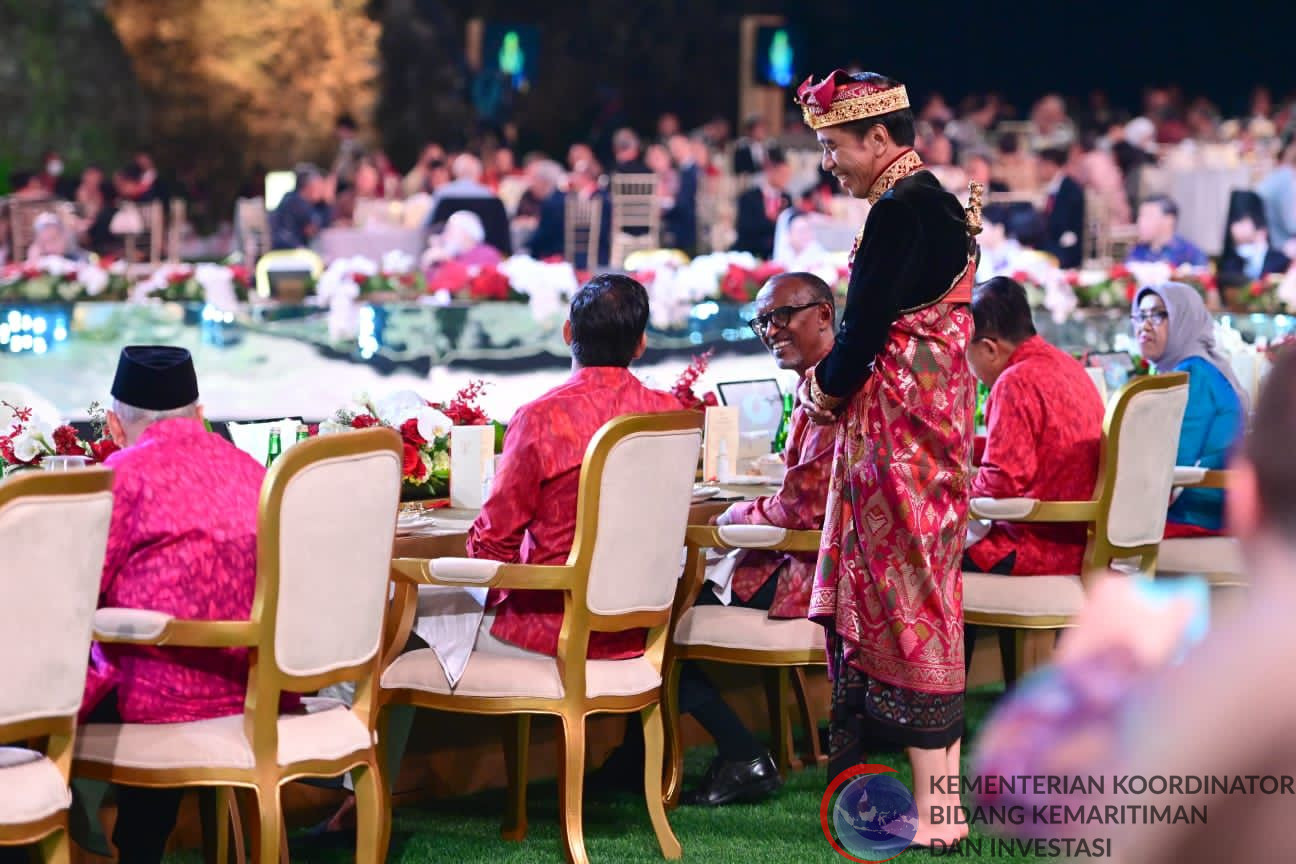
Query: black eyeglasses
(782, 316)
(1156, 316)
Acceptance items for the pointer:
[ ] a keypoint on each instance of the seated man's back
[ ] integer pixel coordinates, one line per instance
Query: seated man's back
(183, 542)
(1044, 419)
(530, 516)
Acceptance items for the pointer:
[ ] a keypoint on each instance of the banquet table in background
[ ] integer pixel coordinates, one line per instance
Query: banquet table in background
(371, 241)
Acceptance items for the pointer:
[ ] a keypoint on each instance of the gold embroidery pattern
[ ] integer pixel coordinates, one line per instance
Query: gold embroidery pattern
(856, 108)
(906, 164)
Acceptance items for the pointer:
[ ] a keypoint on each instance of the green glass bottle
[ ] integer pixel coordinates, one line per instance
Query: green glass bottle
(982, 393)
(276, 446)
(785, 426)
(303, 432)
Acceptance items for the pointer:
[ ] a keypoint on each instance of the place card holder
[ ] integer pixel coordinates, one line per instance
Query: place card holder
(472, 465)
(720, 443)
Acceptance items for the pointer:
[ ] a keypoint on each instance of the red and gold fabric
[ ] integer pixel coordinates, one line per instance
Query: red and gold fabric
(530, 516)
(889, 582)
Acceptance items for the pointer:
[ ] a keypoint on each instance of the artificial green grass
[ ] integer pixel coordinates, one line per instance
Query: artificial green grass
(785, 828)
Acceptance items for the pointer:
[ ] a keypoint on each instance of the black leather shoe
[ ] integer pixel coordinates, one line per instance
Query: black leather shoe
(726, 782)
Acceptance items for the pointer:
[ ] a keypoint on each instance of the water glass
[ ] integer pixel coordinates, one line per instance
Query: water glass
(64, 463)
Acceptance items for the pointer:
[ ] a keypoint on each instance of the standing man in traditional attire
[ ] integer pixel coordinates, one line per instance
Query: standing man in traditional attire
(898, 387)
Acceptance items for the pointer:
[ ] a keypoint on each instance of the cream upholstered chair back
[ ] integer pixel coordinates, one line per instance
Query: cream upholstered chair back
(1141, 440)
(53, 533)
(330, 540)
(644, 491)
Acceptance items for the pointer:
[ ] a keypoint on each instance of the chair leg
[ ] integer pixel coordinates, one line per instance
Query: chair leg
(813, 754)
(218, 813)
(653, 734)
(674, 756)
(776, 690)
(55, 848)
(517, 747)
(269, 823)
(373, 820)
(571, 782)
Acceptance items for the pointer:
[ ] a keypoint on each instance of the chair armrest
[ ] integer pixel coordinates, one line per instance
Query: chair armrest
(752, 537)
(471, 572)
(130, 625)
(148, 627)
(1194, 476)
(1033, 510)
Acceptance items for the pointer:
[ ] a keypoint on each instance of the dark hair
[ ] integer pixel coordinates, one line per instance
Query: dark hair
(775, 156)
(1009, 143)
(1000, 310)
(608, 316)
(820, 291)
(132, 171)
(898, 124)
(1269, 446)
(1164, 202)
(1056, 155)
(997, 214)
(1255, 215)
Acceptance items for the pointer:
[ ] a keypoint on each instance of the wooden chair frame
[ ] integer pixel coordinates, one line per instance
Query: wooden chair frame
(267, 682)
(52, 736)
(1100, 551)
(784, 668)
(573, 643)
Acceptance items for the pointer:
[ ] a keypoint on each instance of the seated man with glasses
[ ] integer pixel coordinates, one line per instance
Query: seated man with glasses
(795, 322)
(1044, 423)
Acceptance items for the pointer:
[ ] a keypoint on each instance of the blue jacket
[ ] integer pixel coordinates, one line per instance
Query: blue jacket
(1212, 424)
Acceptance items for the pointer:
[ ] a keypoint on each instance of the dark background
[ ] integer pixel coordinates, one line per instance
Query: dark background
(602, 63)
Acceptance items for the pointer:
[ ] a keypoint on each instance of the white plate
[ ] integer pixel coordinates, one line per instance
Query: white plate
(749, 480)
(702, 493)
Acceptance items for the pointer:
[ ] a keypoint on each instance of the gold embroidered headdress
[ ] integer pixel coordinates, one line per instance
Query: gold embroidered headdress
(839, 98)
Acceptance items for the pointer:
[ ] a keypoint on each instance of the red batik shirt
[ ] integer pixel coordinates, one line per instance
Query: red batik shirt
(183, 542)
(530, 517)
(798, 505)
(1044, 421)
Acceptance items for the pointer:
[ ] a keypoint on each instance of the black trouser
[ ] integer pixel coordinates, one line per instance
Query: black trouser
(145, 817)
(1007, 637)
(700, 698)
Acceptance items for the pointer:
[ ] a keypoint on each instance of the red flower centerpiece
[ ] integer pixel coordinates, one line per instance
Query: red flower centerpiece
(683, 388)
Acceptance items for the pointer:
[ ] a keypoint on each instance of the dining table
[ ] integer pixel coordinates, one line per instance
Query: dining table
(442, 532)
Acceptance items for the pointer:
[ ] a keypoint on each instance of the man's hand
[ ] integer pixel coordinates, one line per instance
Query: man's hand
(818, 416)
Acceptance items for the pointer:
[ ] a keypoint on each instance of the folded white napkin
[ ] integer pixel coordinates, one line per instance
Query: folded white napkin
(720, 573)
(447, 619)
(977, 529)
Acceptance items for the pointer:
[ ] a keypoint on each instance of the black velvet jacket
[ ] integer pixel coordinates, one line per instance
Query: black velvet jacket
(914, 247)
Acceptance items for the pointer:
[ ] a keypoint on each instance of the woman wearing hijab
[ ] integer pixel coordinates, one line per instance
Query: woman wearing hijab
(1177, 334)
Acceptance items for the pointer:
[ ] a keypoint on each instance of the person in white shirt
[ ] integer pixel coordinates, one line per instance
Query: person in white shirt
(1000, 252)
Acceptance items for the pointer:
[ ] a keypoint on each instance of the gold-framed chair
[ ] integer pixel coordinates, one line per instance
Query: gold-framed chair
(327, 515)
(54, 530)
(1125, 517)
(1218, 559)
(632, 510)
(743, 637)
